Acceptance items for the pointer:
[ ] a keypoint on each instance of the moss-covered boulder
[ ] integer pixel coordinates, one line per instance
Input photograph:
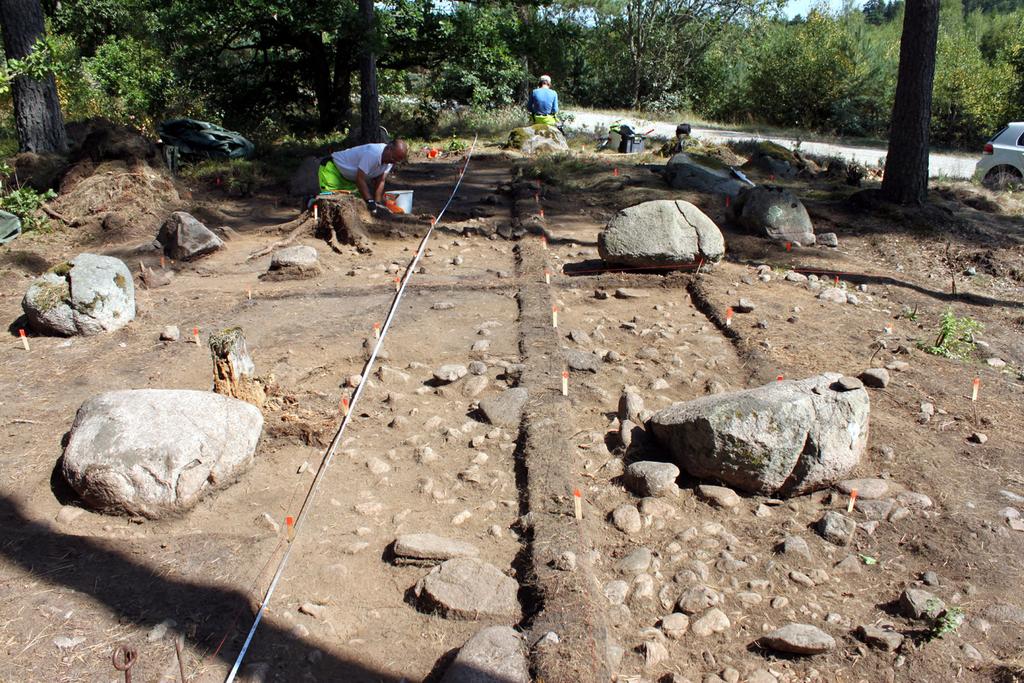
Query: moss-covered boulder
(87, 295)
(537, 139)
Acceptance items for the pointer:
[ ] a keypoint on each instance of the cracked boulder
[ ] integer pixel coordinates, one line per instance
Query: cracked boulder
(87, 295)
(185, 238)
(661, 233)
(784, 438)
(155, 453)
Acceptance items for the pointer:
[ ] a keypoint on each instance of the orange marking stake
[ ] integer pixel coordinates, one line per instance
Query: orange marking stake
(789, 246)
(161, 261)
(248, 293)
(779, 378)
(24, 339)
(975, 385)
(577, 504)
(544, 241)
(565, 382)
(195, 335)
(376, 330)
(398, 283)
(888, 328)
(615, 171)
(837, 280)
(728, 317)
(344, 405)
(316, 211)
(728, 201)
(542, 213)
(547, 276)
(554, 316)
(289, 522)
(853, 499)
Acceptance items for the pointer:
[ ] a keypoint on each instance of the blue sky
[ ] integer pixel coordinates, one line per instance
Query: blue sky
(801, 7)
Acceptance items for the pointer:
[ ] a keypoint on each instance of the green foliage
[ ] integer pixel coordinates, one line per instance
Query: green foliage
(24, 202)
(945, 622)
(955, 338)
(236, 177)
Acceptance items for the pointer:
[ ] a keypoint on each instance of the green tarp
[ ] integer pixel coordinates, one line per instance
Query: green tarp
(10, 227)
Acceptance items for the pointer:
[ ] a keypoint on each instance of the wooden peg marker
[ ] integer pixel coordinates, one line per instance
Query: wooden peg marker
(195, 335)
(728, 317)
(853, 499)
(565, 382)
(547, 276)
(975, 385)
(554, 316)
(24, 339)
(577, 504)
(376, 330)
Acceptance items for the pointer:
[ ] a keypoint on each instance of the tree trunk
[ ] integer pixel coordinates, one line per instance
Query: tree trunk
(369, 101)
(906, 164)
(344, 60)
(37, 117)
(321, 70)
(234, 373)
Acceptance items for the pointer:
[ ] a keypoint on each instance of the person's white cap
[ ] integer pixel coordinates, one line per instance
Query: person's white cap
(545, 79)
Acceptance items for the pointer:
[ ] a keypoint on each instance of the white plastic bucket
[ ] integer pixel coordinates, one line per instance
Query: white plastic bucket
(401, 198)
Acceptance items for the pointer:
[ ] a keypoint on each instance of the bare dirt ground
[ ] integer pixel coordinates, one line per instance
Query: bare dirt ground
(90, 581)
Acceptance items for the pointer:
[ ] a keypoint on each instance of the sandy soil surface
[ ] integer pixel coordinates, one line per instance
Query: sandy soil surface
(419, 457)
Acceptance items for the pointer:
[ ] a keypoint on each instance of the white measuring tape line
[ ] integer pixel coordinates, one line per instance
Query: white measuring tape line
(329, 456)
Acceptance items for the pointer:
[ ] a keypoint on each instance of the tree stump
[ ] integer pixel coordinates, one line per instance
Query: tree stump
(234, 373)
(344, 218)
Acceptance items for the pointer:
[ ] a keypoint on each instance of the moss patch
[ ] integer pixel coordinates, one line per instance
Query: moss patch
(120, 281)
(61, 269)
(48, 295)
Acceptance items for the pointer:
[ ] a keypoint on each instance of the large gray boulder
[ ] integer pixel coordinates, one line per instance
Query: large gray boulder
(775, 213)
(784, 438)
(659, 233)
(155, 452)
(701, 174)
(185, 238)
(538, 139)
(496, 654)
(87, 295)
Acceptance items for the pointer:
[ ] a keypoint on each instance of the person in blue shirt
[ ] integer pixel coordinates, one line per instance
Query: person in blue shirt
(544, 103)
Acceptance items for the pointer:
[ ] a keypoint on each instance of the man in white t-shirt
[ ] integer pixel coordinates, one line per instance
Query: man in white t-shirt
(363, 169)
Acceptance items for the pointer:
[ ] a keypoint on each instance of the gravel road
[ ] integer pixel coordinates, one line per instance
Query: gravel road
(940, 165)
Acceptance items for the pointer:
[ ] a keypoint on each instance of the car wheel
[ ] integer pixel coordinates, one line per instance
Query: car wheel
(1004, 178)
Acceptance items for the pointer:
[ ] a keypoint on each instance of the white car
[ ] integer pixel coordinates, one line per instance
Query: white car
(1002, 161)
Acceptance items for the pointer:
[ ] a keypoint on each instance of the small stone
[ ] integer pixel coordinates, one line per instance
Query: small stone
(313, 610)
(698, 599)
(835, 528)
(876, 378)
(267, 522)
(159, 632)
(897, 366)
(762, 675)
(675, 625)
(827, 239)
(467, 588)
(913, 499)
(616, 592)
(626, 518)
(654, 653)
(799, 639)
(651, 478)
(833, 294)
(801, 578)
(744, 306)
(779, 602)
(481, 346)
(495, 653)
(930, 578)
(719, 496)
(478, 368)
(69, 513)
(623, 293)
(580, 337)
(867, 489)
(443, 306)
(461, 517)
(450, 373)
(378, 466)
(850, 564)
(880, 638)
(712, 621)
(636, 562)
(68, 643)
(971, 652)
(916, 603)
(978, 438)
(171, 333)
(566, 562)
(995, 362)
(795, 546)
(429, 549)
(793, 276)
(763, 511)
(848, 384)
